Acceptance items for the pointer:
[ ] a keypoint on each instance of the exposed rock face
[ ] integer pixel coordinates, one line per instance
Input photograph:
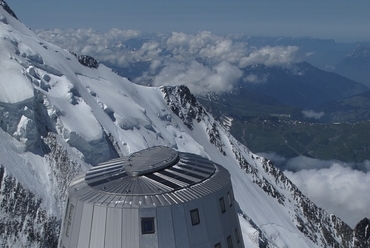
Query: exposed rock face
(24, 221)
(183, 104)
(8, 9)
(362, 234)
(87, 60)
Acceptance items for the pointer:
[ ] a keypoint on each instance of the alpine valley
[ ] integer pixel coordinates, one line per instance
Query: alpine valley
(62, 113)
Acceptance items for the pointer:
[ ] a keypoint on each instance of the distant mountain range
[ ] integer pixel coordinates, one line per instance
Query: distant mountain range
(301, 85)
(351, 60)
(356, 64)
(265, 124)
(351, 109)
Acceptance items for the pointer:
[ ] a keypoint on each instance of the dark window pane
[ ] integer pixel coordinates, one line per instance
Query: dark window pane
(222, 205)
(147, 225)
(194, 217)
(218, 245)
(237, 236)
(229, 242)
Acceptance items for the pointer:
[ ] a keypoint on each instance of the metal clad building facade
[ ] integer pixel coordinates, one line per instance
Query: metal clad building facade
(156, 197)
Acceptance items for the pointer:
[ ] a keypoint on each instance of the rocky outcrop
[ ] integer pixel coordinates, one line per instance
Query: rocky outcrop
(8, 9)
(24, 222)
(361, 234)
(87, 60)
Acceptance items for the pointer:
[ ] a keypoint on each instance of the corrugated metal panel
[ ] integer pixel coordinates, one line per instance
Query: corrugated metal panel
(212, 216)
(173, 199)
(158, 200)
(118, 201)
(85, 230)
(180, 228)
(198, 233)
(149, 240)
(226, 218)
(76, 223)
(113, 230)
(101, 198)
(128, 201)
(64, 239)
(97, 238)
(166, 236)
(82, 190)
(148, 201)
(221, 239)
(130, 228)
(205, 245)
(88, 194)
(108, 200)
(156, 185)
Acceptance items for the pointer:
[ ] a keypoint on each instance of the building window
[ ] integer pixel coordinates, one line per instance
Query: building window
(230, 242)
(218, 245)
(194, 214)
(222, 205)
(237, 236)
(147, 225)
(230, 198)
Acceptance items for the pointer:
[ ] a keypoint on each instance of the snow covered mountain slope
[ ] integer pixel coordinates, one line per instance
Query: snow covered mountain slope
(60, 112)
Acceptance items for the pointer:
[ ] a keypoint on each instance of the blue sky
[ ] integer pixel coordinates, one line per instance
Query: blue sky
(342, 20)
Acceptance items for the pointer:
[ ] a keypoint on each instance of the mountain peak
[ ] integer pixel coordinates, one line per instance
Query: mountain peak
(362, 232)
(8, 9)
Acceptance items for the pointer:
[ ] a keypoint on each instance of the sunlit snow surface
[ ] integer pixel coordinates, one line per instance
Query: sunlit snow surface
(84, 104)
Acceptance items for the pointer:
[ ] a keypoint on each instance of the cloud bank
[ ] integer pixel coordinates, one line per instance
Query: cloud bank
(205, 62)
(339, 188)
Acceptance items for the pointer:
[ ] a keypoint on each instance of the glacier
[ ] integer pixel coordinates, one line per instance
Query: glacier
(61, 113)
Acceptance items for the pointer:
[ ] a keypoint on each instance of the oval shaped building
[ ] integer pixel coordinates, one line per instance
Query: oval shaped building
(156, 197)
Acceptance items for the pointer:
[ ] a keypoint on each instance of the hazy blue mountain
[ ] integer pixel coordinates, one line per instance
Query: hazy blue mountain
(356, 64)
(302, 84)
(352, 109)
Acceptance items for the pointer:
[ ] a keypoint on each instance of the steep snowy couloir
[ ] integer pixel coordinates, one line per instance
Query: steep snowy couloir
(60, 113)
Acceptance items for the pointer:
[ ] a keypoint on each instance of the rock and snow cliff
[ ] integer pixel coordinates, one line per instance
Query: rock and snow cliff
(60, 112)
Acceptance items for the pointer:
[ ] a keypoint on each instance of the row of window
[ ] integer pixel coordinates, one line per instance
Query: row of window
(148, 227)
(194, 214)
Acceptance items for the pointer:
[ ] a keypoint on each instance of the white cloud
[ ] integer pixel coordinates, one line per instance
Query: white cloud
(270, 56)
(154, 65)
(312, 114)
(171, 57)
(309, 54)
(107, 46)
(338, 189)
(199, 78)
(255, 79)
(150, 49)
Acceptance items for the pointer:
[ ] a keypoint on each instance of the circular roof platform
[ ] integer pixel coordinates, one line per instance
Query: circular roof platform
(150, 160)
(152, 171)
